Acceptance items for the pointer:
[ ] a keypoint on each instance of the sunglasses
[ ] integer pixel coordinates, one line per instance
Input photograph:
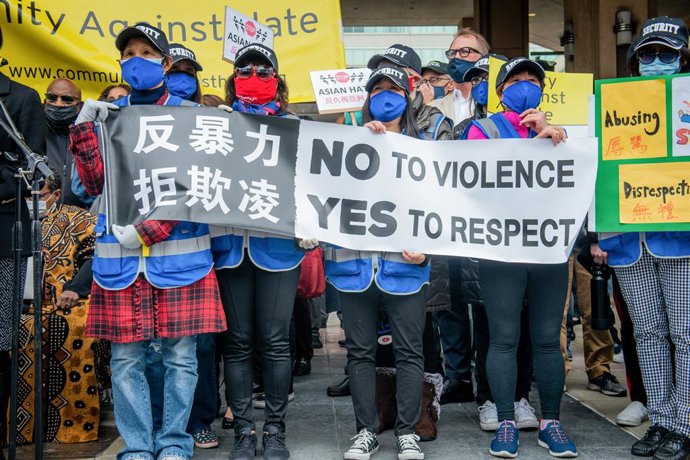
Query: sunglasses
(463, 52)
(665, 56)
(50, 97)
(262, 72)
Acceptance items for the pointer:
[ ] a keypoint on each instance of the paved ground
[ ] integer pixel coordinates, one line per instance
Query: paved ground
(319, 428)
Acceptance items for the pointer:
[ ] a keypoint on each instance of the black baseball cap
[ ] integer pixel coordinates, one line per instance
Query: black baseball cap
(663, 30)
(180, 53)
(394, 73)
(255, 50)
(436, 66)
(399, 55)
(516, 65)
(144, 30)
(482, 65)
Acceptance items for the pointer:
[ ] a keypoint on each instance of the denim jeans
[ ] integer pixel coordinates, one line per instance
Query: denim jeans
(132, 398)
(205, 406)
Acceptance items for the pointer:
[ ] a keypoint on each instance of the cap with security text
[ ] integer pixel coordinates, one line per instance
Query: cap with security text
(520, 64)
(143, 30)
(180, 53)
(663, 30)
(394, 73)
(401, 55)
(436, 66)
(255, 50)
(482, 65)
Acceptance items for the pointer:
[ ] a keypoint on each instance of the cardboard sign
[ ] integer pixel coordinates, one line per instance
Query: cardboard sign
(340, 90)
(564, 99)
(240, 31)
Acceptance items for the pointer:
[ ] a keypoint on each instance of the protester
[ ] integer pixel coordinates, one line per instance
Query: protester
(62, 104)
(258, 275)
(69, 358)
(114, 92)
(131, 308)
(435, 78)
(653, 271)
(24, 107)
(182, 79)
(466, 48)
(397, 285)
(519, 85)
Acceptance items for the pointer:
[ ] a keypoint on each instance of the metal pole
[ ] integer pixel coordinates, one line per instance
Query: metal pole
(37, 246)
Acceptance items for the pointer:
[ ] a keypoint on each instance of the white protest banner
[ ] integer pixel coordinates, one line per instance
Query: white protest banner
(341, 90)
(240, 31)
(515, 200)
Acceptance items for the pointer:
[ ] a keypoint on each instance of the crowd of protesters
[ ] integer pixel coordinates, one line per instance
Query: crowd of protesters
(154, 339)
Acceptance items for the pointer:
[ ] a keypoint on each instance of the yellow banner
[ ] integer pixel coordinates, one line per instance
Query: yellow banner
(49, 39)
(564, 100)
(633, 120)
(654, 193)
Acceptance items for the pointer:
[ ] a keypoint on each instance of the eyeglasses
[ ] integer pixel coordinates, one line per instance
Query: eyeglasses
(477, 80)
(50, 97)
(463, 52)
(433, 81)
(666, 56)
(262, 72)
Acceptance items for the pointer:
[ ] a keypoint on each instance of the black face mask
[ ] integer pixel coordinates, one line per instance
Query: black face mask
(60, 117)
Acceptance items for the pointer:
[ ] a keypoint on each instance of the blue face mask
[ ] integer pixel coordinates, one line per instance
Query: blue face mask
(439, 92)
(457, 68)
(387, 105)
(656, 67)
(521, 96)
(480, 93)
(142, 74)
(181, 84)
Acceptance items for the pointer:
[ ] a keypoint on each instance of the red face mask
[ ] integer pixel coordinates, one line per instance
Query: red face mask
(254, 91)
(410, 81)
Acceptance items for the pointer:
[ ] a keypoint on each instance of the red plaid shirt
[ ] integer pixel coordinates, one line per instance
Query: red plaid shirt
(142, 311)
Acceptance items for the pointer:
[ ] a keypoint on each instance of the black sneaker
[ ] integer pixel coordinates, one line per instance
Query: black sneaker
(274, 444)
(316, 341)
(257, 390)
(364, 446)
(675, 446)
(607, 384)
(245, 446)
(649, 443)
(408, 449)
(341, 389)
(457, 391)
(302, 367)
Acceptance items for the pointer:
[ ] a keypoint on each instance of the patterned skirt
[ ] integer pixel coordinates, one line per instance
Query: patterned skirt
(70, 398)
(6, 293)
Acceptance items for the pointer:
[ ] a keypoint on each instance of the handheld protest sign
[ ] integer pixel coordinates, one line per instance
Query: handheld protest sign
(643, 182)
(564, 99)
(240, 31)
(339, 91)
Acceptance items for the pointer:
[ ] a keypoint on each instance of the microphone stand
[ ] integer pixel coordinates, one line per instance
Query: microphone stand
(36, 169)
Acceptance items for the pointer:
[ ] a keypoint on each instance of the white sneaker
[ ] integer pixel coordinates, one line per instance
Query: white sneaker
(633, 415)
(618, 357)
(488, 416)
(408, 449)
(524, 416)
(364, 446)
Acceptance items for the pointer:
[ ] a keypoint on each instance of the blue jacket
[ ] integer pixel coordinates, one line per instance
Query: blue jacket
(354, 271)
(624, 249)
(180, 260)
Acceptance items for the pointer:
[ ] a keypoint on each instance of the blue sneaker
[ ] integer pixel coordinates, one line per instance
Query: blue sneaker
(505, 442)
(554, 438)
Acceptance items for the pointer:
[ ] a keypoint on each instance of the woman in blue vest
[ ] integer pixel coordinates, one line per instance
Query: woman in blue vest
(504, 285)
(395, 281)
(258, 275)
(182, 79)
(653, 270)
(153, 280)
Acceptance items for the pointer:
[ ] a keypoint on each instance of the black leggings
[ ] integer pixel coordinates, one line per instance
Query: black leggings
(504, 286)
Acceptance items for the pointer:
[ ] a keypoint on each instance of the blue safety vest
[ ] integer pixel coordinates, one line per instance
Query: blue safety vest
(180, 260)
(267, 251)
(624, 249)
(354, 271)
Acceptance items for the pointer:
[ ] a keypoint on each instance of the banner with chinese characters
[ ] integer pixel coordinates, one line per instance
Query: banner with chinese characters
(75, 39)
(643, 182)
(339, 91)
(520, 200)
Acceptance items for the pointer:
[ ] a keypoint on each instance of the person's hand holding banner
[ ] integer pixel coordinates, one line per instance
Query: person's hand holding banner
(94, 111)
(227, 108)
(127, 236)
(376, 127)
(534, 120)
(308, 243)
(556, 133)
(416, 258)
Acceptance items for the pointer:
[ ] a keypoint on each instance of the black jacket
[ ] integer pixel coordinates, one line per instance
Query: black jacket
(24, 106)
(464, 281)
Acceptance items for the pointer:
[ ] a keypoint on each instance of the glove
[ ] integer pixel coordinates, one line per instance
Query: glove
(227, 108)
(127, 236)
(308, 243)
(94, 111)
